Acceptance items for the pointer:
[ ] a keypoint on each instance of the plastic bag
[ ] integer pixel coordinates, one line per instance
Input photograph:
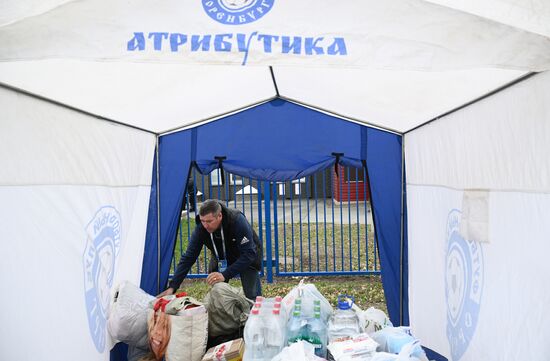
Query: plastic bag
(357, 348)
(407, 354)
(394, 339)
(128, 316)
(298, 351)
(375, 320)
(309, 293)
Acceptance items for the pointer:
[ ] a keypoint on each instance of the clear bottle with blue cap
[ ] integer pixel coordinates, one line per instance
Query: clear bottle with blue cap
(344, 323)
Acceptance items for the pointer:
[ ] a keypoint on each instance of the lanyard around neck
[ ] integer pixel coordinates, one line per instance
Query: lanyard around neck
(214, 244)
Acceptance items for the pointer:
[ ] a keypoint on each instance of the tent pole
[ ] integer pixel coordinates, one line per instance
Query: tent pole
(402, 230)
(158, 215)
(274, 81)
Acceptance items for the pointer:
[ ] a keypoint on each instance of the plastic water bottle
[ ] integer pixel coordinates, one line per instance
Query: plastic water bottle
(254, 337)
(258, 305)
(344, 322)
(297, 307)
(294, 330)
(317, 309)
(267, 304)
(316, 304)
(278, 303)
(318, 335)
(275, 338)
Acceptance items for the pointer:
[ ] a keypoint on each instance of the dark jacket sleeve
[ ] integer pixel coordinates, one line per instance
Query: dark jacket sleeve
(245, 244)
(187, 260)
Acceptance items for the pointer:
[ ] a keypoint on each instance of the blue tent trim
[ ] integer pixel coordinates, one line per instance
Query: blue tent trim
(150, 255)
(434, 356)
(309, 141)
(119, 352)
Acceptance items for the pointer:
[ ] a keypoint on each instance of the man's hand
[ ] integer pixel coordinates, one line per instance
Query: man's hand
(214, 278)
(167, 292)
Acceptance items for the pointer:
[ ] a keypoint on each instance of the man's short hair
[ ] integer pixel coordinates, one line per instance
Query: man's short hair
(210, 206)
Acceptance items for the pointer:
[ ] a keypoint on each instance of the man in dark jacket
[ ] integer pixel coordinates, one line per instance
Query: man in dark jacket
(233, 244)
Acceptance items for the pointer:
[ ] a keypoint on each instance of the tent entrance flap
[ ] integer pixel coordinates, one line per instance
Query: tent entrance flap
(306, 145)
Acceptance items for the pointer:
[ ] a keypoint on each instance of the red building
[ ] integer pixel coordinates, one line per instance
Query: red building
(349, 183)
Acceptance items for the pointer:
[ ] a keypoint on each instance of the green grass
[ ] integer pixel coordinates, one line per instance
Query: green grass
(367, 290)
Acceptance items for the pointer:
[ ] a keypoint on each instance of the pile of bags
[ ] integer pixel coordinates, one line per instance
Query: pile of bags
(176, 327)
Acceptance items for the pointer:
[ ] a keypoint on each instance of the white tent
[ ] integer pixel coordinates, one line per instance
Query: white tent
(89, 86)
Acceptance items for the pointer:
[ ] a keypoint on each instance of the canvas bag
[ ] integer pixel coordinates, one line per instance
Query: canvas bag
(189, 330)
(228, 309)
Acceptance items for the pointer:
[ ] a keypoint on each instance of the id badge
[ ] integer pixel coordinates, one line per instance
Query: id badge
(222, 265)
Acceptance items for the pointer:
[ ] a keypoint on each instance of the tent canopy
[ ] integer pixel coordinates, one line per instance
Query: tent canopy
(394, 64)
(171, 68)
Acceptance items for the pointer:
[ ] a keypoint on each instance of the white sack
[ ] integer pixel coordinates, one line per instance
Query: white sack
(128, 317)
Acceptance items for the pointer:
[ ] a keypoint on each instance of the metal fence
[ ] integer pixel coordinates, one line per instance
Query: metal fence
(318, 225)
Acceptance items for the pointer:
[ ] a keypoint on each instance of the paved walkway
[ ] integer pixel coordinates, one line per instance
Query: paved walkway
(319, 210)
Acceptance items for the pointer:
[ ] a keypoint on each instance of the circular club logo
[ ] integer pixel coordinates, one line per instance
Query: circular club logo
(463, 286)
(237, 12)
(102, 246)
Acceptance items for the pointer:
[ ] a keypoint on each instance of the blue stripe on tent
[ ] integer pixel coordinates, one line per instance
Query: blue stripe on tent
(174, 160)
(150, 254)
(384, 170)
(305, 145)
(119, 352)
(434, 356)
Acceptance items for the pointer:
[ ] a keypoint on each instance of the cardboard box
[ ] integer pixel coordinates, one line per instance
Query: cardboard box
(227, 351)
